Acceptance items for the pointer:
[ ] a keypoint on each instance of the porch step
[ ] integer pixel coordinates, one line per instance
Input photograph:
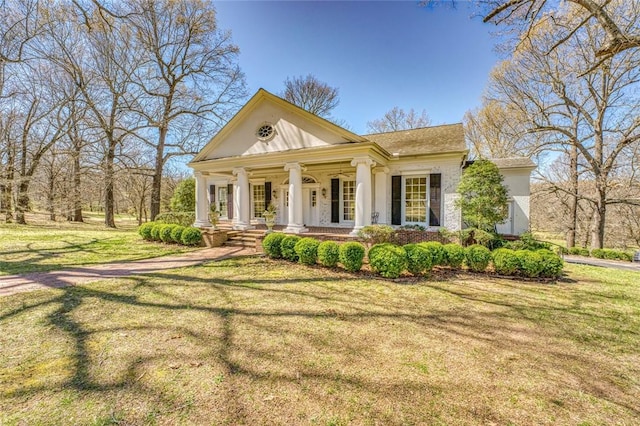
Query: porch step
(243, 238)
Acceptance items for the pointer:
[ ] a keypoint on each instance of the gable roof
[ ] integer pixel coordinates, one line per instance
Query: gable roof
(424, 140)
(264, 96)
(514, 163)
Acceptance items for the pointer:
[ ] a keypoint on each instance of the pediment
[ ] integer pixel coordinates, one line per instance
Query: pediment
(295, 129)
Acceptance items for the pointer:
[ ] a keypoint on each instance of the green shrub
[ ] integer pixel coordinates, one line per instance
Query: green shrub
(389, 260)
(351, 255)
(155, 231)
(176, 233)
(531, 264)
(419, 259)
(477, 257)
(506, 261)
(145, 230)
(617, 255)
(288, 247)
(376, 234)
(271, 245)
(177, 218)
(191, 236)
(527, 242)
(328, 254)
(307, 250)
(165, 233)
(436, 249)
(552, 264)
(454, 254)
(579, 251)
(598, 253)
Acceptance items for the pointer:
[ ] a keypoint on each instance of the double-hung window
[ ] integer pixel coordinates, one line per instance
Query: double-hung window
(348, 200)
(422, 199)
(258, 200)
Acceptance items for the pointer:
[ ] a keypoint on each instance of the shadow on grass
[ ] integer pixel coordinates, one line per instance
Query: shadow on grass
(498, 327)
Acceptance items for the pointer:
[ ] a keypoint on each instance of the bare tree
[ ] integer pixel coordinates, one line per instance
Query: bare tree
(398, 119)
(311, 94)
(190, 78)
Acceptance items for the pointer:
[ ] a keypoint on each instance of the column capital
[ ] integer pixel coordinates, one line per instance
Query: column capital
(380, 170)
(362, 160)
(294, 166)
(239, 171)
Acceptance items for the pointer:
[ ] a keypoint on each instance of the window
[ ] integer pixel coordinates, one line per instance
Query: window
(415, 199)
(258, 200)
(265, 132)
(222, 201)
(348, 200)
(435, 198)
(314, 198)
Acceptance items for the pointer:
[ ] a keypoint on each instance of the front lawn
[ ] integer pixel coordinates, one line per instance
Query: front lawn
(255, 341)
(47, 246)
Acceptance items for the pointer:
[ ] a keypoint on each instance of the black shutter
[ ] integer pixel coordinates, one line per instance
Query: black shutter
(212, 194)
(435, 197)
(335, 200)
(396, 200)
(230, 201)
(267, 194)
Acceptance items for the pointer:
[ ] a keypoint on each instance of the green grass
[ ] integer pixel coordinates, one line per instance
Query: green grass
(48, 246)
(255, 341)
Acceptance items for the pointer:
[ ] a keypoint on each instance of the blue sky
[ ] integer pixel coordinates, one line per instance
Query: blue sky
(379, 54)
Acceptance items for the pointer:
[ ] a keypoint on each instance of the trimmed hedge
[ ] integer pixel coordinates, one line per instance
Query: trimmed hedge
(176, 233)
(419, 259)
(307, 250)
(477, 257)
(155, 231)
(454, 255)
(145, 230)
(505, 261)
(438, 254)
(579, 251)
(389, 260)
(328, 253)
(351, 255)
(530, 263)
(552, 264)
(611, 254)
(271, 245)
(288, 247)
(165, 233)
(191, 236)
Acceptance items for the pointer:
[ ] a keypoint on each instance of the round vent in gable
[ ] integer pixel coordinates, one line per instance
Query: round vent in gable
(265, 132)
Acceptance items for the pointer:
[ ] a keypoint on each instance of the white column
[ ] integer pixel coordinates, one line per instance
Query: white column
(202, 202)
(295, 225)
(241, 200)
(363, 192)
(380, 201)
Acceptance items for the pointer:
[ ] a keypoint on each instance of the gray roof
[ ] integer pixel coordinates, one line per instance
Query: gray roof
(513, 163)
(425, 140)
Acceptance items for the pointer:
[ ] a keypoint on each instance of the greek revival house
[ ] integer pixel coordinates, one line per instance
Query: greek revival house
(318, 174)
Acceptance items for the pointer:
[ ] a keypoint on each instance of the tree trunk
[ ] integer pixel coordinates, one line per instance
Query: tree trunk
(51, 195)
(573, 201)
(77, 194)
(109, 202)
(599, 217)
(22, 202)
(156, 184)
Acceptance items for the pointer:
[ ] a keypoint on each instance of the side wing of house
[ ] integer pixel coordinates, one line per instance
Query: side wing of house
(517, 176)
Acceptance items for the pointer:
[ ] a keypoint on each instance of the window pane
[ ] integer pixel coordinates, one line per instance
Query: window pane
(258, 200)
(435, 194)
(222, 201)
(349, 200)
(415, 205)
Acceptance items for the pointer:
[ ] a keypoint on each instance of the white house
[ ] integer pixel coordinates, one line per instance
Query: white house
(318, 174)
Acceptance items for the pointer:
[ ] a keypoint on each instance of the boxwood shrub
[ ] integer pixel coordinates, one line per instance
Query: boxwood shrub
(271, 245)
(165, 233)
(454, 254)
(145, 230)
(506, 261)
(176, 233)
(552, 264)
(191, 236)
(530, 263)
(438, 254)
(597, 253)
(288, 247)
(351, 255)
(477, 257)
(307, 250)
(328, 254)
(155, 231)
(389, 260)
(419, 259)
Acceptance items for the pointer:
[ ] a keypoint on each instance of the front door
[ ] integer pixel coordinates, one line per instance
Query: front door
(310, 206)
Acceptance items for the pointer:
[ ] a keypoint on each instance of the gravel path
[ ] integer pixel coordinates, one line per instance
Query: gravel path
(12, 284)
